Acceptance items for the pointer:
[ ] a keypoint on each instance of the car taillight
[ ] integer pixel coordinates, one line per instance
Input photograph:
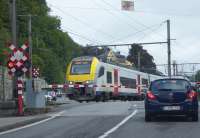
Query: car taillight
(191, 95)
(150, 95)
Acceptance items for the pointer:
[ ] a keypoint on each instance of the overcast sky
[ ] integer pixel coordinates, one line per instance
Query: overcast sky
(103, 22)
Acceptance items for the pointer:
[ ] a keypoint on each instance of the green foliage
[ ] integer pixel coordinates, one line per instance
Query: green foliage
(4, 30)
(52, 48)
(146, 60)
(92, 51)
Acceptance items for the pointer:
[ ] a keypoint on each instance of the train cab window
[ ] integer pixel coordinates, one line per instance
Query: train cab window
(80, 67)
(101, 71)
(109, 77)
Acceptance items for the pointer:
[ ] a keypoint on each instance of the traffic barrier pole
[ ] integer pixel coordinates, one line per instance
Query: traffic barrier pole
(20, 99)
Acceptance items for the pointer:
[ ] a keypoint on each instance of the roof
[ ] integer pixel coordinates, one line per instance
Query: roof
(172, 78)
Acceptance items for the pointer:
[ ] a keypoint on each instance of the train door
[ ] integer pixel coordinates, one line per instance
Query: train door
(116, 89)
(138, 84)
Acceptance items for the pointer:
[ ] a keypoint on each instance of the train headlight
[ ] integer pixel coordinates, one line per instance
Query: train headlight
(70, 82)
(88, 82)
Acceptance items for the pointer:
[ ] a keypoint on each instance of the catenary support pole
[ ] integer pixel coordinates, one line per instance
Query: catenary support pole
(169, 48)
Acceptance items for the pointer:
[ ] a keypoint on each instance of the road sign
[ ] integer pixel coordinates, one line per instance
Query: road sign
(127, 5)
(35, 72)
(18, 60)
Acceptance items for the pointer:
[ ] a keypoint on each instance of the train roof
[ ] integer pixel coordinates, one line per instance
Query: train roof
(88, 58)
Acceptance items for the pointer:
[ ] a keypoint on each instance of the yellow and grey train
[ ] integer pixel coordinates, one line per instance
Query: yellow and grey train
(92, 79)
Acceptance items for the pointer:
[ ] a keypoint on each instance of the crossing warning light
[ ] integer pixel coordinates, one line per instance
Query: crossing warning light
(18, 63)
(10, 64)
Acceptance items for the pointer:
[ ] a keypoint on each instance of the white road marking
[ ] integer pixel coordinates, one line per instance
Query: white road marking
(33, 124)
(118, 125)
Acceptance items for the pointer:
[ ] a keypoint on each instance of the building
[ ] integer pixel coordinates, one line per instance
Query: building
(114, 57)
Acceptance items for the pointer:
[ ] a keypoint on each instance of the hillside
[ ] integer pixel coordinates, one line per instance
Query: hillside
(52, 48)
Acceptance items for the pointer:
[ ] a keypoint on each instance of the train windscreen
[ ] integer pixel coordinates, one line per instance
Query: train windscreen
(80, 67)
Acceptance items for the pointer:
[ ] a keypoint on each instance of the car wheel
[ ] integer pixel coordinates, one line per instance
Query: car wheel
(147, 117)
(80, 101)
(195, 116)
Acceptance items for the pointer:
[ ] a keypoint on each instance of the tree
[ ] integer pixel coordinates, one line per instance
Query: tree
(146, 60)
(52, 48)
(92, 51)
(197, 76)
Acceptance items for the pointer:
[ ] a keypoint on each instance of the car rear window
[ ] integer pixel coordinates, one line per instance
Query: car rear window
(170, 85)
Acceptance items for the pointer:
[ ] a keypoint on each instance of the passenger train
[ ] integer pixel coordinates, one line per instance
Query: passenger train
(92, 79)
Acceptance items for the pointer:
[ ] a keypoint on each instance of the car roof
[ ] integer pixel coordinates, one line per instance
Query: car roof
(171, 79)
(176, 77)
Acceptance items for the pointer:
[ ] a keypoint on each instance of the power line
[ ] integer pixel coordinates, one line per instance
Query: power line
(135, 11)
(84, 23)
(140, 31)
(128, 17)
(129, 44)
(136, 33)
(111, 13)
(81, 36)
(150, 33)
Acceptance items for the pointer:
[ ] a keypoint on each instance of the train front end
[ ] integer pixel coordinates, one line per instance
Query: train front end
(80, 76)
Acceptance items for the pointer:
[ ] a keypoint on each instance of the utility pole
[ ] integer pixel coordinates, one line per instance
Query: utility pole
(139, 61)
(169, 48)
(14, 40)
(29, 40)
(174, 68)
(168, 42)
(30, 44)
(14, 30)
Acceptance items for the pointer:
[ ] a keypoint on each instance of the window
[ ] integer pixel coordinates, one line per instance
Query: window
(145, 81)
(101, 71)
(80, 67)
(170, 85)
(130, 83)
(109, 77)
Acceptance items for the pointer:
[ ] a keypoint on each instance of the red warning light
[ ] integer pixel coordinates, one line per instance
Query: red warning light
(10, 64)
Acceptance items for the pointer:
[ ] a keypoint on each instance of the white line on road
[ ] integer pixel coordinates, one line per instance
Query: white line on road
(33, 124)
(118, 125)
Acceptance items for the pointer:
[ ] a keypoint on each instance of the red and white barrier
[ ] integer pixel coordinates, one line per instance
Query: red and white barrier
(20, 100)
(65, 86)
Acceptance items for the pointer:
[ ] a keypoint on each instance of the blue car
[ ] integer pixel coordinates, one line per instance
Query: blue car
(171, 96)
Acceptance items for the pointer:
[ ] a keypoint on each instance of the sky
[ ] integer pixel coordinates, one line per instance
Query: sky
(96, 22)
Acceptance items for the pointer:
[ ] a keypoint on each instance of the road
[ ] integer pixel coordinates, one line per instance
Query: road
(109, 119)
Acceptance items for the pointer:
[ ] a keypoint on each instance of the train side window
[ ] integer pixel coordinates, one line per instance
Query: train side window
(130, 83)
(101, 71)
(145, 81)
(109, 77)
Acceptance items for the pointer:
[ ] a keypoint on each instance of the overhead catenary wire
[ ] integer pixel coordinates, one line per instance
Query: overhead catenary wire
(83, 37)
(171, 13)
(70, 31)
(82, 22)
(128, 17)
(116, 16)
(146, 27)
(138, 32)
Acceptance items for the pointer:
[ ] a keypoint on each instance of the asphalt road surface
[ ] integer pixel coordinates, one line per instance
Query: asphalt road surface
(108, 120)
